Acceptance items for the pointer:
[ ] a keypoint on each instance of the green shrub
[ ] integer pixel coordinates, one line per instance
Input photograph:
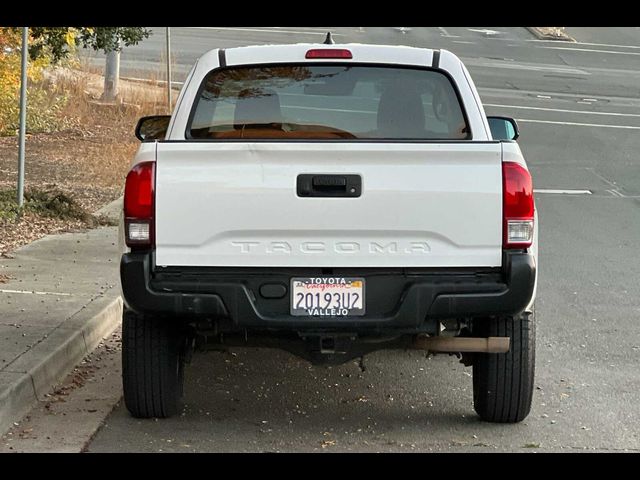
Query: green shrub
(52, 203)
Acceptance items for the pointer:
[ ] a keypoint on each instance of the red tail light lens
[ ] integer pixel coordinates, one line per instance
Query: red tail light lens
(139, 204)
(329, 53)
(518, 206)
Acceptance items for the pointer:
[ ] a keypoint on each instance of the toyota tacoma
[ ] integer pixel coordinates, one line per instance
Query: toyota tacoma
(329, 200)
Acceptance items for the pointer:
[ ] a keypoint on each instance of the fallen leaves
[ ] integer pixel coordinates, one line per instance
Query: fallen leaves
(30, 227)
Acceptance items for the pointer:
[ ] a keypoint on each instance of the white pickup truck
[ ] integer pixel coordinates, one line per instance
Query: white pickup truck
(329, 200)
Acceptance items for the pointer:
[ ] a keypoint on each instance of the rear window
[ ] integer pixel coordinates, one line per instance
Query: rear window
(327, 102)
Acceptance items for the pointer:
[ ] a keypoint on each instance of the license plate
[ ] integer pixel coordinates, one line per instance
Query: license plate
(327, 297)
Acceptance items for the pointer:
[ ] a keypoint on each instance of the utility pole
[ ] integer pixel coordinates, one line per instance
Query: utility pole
(169, 102)
(111, 75)
(23, 115)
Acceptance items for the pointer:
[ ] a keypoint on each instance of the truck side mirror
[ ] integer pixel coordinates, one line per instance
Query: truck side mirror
(503, 128)
(152, 128)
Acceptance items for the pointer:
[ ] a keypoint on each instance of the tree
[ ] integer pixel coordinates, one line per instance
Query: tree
(58, 42)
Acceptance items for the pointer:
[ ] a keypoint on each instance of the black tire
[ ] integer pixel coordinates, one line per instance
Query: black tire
(152, 365)
(503, 383)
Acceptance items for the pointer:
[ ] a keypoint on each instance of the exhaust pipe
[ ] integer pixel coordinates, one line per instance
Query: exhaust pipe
(463, 344)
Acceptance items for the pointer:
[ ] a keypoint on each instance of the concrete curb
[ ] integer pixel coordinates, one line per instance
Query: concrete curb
(156, 83)
(112, 210)
(545, 36)
(49, 362)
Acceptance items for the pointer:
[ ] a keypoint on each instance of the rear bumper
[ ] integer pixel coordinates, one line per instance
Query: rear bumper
(400, 300)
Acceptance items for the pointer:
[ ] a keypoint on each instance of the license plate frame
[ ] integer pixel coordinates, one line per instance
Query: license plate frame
(344, 287)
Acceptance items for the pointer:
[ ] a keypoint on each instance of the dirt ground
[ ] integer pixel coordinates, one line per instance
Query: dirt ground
(88, 161)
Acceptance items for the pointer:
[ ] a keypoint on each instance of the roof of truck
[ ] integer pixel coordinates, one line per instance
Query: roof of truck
(379, 55)
(361, 53)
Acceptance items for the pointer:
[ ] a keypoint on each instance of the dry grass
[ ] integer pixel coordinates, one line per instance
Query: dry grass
(555, 32)
(88, 160)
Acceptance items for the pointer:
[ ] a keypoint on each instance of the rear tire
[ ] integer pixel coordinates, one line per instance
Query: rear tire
(503, 383)
(152, 365)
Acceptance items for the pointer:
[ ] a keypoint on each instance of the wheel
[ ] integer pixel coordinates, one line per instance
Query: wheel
(503, 383)
(152, 365)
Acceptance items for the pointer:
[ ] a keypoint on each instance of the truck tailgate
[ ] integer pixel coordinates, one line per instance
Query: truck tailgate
(232, 204)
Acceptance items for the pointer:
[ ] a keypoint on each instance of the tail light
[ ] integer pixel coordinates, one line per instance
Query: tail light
(325, 53)
(139, 205)
(518, 207)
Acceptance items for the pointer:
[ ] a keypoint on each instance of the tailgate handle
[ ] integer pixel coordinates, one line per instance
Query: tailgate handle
(329, 181)
(329, 185)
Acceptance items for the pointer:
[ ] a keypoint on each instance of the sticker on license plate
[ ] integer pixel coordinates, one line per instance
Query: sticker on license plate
(327, 297)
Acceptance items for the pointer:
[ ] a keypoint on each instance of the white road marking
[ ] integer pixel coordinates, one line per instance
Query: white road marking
(485, 31)
(562, 192)
(520, 66)
(625, 127)
(310, 29)
(604, 179)
(263, 30)
(589, 44)
(543, 96)
(589, 100)
(633, 101)
(581, 112)
(31, 292)
(591, 50)
(444, 33)
(614, 196)
(616, 193)
(463, 41)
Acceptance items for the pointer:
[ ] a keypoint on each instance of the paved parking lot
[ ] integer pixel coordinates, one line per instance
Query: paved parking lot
(578, 106)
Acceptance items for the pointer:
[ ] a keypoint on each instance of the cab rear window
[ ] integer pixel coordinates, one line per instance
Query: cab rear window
(327, 102)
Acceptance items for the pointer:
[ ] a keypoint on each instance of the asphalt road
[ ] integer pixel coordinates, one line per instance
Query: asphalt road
(578, 105)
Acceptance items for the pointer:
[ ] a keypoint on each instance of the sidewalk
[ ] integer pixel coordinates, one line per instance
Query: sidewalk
(62, 298)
